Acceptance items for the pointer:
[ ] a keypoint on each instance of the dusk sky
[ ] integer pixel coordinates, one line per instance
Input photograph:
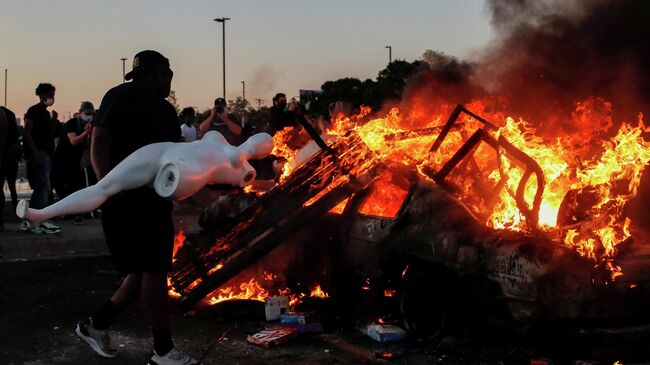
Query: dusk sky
(280, 45)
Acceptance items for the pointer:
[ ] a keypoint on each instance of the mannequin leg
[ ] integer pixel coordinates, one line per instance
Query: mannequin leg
(137, 170)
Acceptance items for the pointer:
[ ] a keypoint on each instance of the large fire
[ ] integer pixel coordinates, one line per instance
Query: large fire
(606, 170)
(588, 176)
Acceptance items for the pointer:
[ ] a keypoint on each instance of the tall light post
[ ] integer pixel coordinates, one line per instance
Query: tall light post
(223, 23)
(243, 92)
(123, 69)
(5, 87)
(390, 54)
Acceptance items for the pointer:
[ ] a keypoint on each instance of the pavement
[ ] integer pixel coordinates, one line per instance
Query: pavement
(50, 282)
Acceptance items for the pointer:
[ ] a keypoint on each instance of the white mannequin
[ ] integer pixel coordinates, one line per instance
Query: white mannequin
(175, 170)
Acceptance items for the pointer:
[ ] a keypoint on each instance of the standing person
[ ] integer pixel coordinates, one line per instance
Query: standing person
(188, 130)
(58, 127)
(223, 122)
(283, 115)
(72, 155)
(137, 223)
(39, 149)
(9, 166)
(3, 141)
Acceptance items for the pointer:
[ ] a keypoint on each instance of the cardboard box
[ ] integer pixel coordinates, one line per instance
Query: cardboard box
(385, 333)
(272, 337)
(274, 307)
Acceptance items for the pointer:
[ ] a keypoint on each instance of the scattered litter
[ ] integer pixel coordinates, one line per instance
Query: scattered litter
(293, 318)
(274, 307)
(385, 332)
(272, 337)
(310, 327)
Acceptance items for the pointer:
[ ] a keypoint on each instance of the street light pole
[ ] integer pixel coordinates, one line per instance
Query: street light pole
(223, 23)
(390, 54)
(123, 69)
(243, 92)
(5, 87)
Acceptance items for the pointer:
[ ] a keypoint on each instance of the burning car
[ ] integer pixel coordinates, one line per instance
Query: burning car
(468, 208)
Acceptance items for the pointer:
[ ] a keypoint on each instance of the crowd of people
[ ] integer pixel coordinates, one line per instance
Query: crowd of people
(62, 158)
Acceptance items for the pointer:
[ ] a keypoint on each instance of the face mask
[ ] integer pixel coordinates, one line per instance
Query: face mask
(86, 118)
(49, 102)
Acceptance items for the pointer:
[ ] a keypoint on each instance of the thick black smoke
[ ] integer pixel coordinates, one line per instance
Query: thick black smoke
(550, 54)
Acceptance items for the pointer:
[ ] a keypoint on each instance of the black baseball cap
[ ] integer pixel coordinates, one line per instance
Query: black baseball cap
(144, 60)
(218, 101)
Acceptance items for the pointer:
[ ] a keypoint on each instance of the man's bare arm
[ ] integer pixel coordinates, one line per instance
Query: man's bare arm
(232, 126)
(100, 148)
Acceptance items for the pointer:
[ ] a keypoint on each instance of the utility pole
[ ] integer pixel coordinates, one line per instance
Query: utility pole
(223, 23)
(259, 103)
(123, 69)
(390, 54)
(5, 87)
(243, 92)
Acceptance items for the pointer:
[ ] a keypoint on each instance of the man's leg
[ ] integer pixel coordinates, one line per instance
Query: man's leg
(126, 294)
(40, 182)
(11, 172)
(154, 295)
(2, 194)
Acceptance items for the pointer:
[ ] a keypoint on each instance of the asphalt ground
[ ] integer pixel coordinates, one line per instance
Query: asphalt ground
(49, 283)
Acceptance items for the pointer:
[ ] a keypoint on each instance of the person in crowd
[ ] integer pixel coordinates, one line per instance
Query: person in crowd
(39, 150)
(138, 222)
(58, 127)
(188, 129)
(3, 140)
(283, 115)
(10, 157)
(220, 120)
(71, 167)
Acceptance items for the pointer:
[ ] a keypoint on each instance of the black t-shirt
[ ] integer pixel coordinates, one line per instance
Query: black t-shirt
(221, 127)
(12, 128)
(42, 128)
(135, 118)
(65, 148)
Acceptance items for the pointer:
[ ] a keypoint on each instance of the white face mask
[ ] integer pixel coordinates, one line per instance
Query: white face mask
(49, 102)
(86, 118)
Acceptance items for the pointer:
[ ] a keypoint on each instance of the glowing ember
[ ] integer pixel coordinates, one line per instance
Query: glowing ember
(390, 293)
(171, 292)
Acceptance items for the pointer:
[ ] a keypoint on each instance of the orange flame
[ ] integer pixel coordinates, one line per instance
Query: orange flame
(317, 292)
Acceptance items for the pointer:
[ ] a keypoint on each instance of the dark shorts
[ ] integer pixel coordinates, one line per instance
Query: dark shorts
(139, 231)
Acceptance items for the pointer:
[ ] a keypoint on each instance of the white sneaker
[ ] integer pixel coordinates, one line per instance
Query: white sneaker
(24, 226)
(51, 226)
(100, 341)
(173, 357)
